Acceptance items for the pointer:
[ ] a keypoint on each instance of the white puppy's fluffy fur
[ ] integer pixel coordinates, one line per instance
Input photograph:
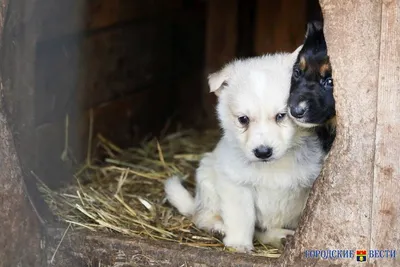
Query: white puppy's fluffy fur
(236, 192)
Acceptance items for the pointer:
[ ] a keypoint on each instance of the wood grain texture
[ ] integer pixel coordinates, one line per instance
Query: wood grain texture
(338, 214)
(20, 230)
(385, 217)
(20, 233)
(115, 250)
(65, 17)
(355, 203)
(18, 56)
(78, 73)
(221, 40)
(279, 26)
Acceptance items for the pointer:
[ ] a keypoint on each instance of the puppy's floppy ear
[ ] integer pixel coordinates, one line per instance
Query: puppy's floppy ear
(315, 38)
(218, 80)
(314, 27)
(295, 54)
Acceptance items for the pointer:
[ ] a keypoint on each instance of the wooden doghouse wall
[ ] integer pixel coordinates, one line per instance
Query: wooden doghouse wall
(130, 63)
(361, 178)
(133, 65)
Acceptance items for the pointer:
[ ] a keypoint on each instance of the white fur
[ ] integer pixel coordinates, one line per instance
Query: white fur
(235, 191)
(179, 197)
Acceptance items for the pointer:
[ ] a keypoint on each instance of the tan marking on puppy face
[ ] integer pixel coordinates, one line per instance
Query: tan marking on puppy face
(324, 68)
(303, 63)
(332, 122)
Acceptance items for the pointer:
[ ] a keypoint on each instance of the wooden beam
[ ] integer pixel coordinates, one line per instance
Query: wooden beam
(386, 187)
(65, 17)
(20, 237)
(20, 228)
(81, 73)
(221, 40)
(82, 246)
(18, 57)
(338, 213)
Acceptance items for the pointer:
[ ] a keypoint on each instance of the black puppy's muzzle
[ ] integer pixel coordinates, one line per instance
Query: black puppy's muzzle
(298, 111)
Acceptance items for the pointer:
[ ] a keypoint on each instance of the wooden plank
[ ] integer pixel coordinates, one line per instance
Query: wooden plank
(111, 250)
(221, 33)
(20, 238)
(221, 40)
(59, 18)
(386, 202)
(338, 213)
(266, 16)
(279, 26)
(21, 230)
(18, 47)
(189, 58)
(75, 74)
(108, 12)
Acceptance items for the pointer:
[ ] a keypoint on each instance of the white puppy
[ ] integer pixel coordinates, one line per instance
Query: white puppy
(260, 173)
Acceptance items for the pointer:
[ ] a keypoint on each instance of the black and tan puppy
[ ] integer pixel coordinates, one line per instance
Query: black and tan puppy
(311, 102)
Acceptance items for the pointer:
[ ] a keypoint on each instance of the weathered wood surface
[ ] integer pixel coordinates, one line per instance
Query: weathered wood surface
(279, 25)
(386, 186)
(90, 249)
(342, 212)
(20, 229)
(354, 204)
(82, 73)
(18, 56)
(20, 234)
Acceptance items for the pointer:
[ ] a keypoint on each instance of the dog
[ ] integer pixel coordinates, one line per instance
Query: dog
(256, 181)
(311, 101)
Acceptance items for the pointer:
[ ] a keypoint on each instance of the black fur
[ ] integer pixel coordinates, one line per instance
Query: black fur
(312, 83)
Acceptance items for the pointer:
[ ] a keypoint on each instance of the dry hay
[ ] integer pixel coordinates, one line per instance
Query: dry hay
(124, 193)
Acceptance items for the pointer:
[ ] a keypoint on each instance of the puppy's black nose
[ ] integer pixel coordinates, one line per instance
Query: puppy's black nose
(298, 111)
(263, 152)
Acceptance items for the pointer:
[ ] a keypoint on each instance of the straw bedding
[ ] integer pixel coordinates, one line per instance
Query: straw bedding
(121, 190)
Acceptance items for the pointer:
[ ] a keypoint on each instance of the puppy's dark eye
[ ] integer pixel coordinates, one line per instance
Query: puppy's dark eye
(327, 83)
(280, 116)
(244, 120)
(297, 73)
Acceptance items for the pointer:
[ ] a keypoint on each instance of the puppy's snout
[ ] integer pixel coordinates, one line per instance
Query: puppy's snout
(298, 111)
(263, 152)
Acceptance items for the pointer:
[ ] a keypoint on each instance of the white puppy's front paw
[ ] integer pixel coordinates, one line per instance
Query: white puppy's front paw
(218, 226)
(211, 223)
(218, 229)
(275, 237)
(238, 245)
